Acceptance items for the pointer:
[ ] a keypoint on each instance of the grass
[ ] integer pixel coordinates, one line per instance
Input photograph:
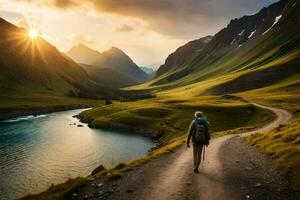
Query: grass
(171, 118)
(61, 191)
(283, 145)
(19, 105)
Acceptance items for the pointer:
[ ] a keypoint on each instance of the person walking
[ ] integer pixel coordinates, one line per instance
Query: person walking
(199, 132)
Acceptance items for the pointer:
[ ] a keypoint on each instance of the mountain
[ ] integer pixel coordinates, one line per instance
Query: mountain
(114, 59)
(251, 52)
(33, 66)
(108, 76)
(148, 70)
(183, 54)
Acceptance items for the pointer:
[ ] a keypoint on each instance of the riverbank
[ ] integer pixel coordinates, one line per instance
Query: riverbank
(23, 106)
(30, 145)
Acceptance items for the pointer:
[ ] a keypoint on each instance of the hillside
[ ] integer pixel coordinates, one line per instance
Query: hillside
(183, 54)
(114, 59)
(255, 46)
(35, 66)
(108, 77)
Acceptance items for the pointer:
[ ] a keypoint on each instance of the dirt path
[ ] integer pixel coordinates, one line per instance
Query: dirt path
(232, 170)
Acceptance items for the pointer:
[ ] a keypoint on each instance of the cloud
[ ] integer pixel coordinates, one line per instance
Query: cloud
(81, 39)
(177, 18)
(124, 28)
(63, 4)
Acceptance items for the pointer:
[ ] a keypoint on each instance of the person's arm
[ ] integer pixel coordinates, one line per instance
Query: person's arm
(207, 130)
(191, 130)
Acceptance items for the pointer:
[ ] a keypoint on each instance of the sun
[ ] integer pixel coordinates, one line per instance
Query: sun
(33, 34)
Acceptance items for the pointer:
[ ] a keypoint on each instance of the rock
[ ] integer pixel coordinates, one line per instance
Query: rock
(249, 168)
(237, 161)
(99, 185)
(98, 169)
(79, 125)
(248, 196)
(74, 194)
(258, 185)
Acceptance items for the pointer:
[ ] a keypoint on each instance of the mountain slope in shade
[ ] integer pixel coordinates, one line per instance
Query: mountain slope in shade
(148, 70)
(108, 76)
(251, 52)
(183, 54)
(36, 67)
(114, 59)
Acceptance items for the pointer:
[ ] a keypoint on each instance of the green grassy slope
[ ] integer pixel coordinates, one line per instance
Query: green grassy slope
(223, 61)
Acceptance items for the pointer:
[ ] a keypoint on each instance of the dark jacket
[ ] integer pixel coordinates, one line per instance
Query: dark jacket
(192, 129)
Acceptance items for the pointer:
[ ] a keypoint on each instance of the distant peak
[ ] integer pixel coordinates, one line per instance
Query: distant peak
(113, 48)
(81, 45)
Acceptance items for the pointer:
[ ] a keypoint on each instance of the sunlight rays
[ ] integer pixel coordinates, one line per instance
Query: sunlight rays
(29, 41)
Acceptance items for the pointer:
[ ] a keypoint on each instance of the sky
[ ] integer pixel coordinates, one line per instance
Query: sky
(147, 30)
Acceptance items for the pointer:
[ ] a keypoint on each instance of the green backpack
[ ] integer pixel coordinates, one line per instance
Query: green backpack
(199, 136)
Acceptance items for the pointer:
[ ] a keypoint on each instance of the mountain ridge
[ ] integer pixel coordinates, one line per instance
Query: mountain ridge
(245, 45)
(35, 66)
(114, 58)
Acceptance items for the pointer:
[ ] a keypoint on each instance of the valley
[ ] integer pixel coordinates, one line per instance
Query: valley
(245, 78)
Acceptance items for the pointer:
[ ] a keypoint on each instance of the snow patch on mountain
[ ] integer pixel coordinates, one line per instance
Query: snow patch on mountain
(275, 22)
(232, 42)
(207, 40)
(241, 33)
(251, 34)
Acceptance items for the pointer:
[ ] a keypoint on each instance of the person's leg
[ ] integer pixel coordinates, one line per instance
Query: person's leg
(195, 154)
(197, 148)
(199, 154)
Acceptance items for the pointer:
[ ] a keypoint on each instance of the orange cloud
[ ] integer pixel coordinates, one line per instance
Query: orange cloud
(124, 28)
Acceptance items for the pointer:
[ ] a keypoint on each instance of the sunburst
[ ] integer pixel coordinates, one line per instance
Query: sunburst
(33, 33)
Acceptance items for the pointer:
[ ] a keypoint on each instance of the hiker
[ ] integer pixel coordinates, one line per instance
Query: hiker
(199, 133)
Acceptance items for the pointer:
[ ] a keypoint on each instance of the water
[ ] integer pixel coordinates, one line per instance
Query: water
(36, 152)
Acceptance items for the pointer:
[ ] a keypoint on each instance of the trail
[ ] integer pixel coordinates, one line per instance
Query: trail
(232, 170)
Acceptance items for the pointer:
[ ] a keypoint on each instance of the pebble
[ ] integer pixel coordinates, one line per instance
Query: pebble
(100, 185)
(258, 185)
(74, 194)
(248, 196)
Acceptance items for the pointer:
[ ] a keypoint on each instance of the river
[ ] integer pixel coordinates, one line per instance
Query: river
(36, 152)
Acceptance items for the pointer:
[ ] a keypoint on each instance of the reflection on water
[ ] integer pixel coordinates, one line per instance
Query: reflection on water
(36, 152)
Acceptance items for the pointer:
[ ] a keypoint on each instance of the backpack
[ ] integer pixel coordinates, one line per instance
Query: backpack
(199, 136)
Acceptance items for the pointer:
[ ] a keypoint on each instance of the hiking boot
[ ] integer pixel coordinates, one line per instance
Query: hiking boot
(196, 171)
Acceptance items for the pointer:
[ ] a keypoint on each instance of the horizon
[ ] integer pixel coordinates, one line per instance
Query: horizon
(130, 27)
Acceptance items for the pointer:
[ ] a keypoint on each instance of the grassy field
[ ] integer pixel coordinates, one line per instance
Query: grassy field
(13, 106)
(283, 145)
(171, 118)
